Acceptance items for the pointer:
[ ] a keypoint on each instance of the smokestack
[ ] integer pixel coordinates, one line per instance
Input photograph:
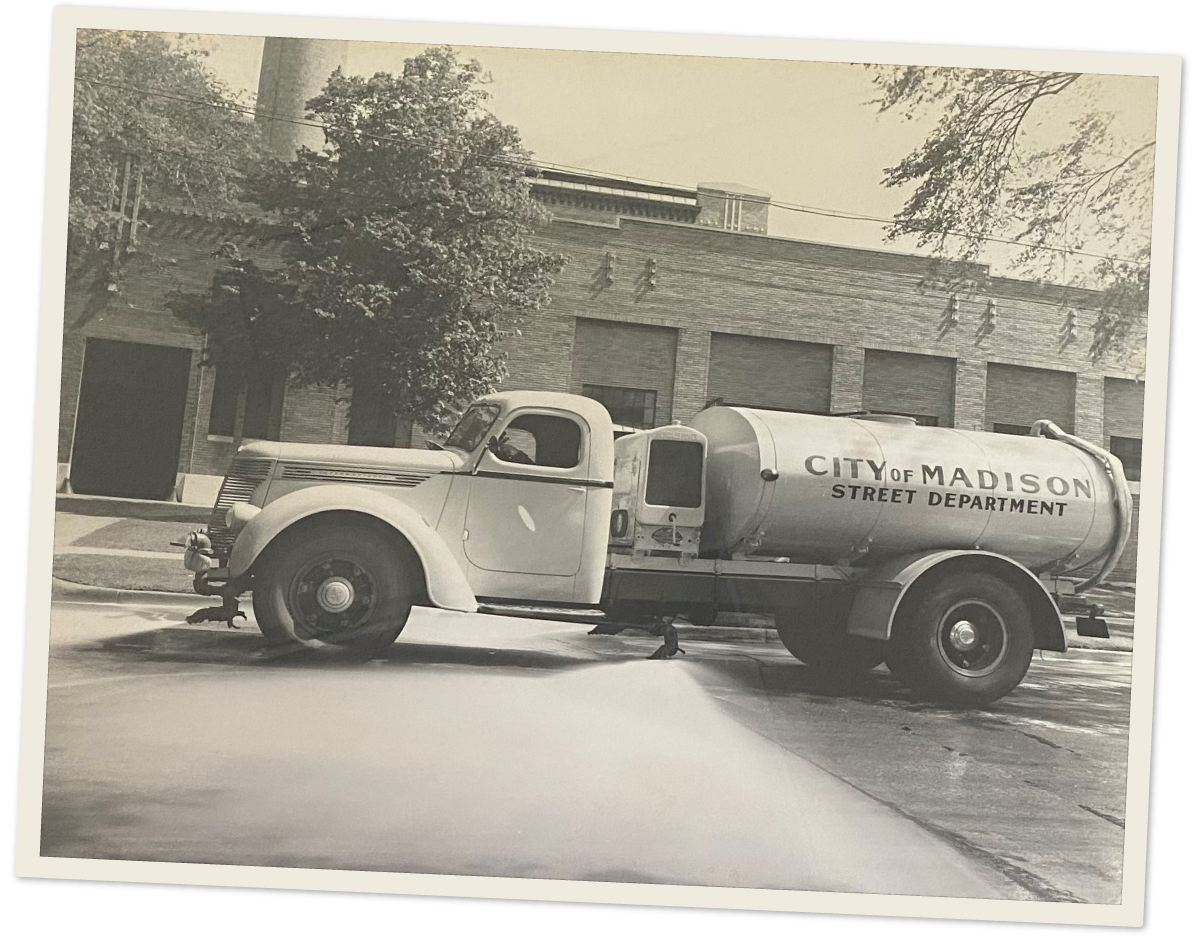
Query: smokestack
(293, 71)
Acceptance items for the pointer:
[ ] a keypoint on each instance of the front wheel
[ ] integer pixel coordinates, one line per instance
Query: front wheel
(335, 582)
(967, 639)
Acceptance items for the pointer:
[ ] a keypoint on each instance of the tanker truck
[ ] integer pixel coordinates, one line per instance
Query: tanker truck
(870, 539)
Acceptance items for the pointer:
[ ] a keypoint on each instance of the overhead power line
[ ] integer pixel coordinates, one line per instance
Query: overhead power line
(568, 168)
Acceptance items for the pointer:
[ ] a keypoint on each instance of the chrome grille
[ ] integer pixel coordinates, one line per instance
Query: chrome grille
(245, 474)
(354, 475)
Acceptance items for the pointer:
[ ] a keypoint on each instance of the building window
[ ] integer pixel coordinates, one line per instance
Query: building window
(631, 407)
(1002, 429)
(264, 405)
(1129, 452)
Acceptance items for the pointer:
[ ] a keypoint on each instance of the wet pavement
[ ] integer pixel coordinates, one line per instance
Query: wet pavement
(492, 746)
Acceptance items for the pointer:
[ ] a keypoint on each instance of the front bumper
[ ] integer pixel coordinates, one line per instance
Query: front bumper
(211, 577)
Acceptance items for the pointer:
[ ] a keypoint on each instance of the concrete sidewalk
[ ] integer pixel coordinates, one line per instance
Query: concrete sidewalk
(128, 508)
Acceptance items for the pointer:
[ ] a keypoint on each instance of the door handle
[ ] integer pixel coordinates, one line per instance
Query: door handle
(578, 489)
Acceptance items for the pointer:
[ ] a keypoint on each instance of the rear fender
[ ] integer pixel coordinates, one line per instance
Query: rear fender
(882, 591)
(445, 583)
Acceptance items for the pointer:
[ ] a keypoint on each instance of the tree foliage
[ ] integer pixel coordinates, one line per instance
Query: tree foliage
(410, 257)
(1028, 157)
(140, 97)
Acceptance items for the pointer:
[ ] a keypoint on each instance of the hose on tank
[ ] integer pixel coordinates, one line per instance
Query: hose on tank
(1122, 500)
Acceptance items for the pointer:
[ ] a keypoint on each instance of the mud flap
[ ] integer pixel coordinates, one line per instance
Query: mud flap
(1091, 626)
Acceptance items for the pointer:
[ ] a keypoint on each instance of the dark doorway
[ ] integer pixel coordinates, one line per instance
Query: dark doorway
(129, 425)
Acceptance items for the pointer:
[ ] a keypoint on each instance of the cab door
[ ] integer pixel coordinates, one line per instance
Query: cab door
(526, 512)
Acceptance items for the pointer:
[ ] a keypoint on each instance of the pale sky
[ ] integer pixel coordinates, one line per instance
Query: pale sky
(801, 131)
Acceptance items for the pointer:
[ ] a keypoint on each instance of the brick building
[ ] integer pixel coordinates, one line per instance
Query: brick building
(673, 298)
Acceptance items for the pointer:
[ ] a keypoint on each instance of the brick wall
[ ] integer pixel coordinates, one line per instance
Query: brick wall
(766, 373)
(909, 384)
(758, 285)
(1089, 408)
(540, 358)
(1018, 395)
(631, 356)
(846, 383)
(690, 394)
(970, 393)
(1124, 406)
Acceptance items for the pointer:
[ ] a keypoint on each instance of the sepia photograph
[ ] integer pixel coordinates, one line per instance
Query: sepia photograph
(625, 471)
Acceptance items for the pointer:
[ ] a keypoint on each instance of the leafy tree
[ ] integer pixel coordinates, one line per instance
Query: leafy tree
(149, 105)
(1003, 163)
(410, 256)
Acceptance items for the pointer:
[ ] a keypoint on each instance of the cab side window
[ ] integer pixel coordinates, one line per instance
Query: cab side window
(543, 440)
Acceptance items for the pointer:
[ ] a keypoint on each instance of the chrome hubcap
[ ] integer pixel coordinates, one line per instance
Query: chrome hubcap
(973, 638)
(963, 635)
(335, 595)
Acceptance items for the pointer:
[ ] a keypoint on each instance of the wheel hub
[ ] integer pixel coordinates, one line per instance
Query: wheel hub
(973, 638)
(335, 594)
(963, 635)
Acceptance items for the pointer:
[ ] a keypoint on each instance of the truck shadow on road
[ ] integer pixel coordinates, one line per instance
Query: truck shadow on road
(247, 648)
(789, 678)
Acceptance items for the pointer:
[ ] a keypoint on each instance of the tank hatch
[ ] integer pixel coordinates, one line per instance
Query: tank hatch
(885, 418)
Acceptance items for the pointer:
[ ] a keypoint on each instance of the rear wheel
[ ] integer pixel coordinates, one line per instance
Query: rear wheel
(335, 582)
(819, 639)
(967, 639)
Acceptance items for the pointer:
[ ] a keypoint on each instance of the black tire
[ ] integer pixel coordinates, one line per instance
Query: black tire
(820, 641)
(702, 615)
(967, 639)
(335, 582)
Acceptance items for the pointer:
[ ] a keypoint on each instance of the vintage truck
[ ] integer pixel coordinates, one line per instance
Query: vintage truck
(868, 538)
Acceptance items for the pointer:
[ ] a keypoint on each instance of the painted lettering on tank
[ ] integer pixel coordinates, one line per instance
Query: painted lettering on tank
(956, 479)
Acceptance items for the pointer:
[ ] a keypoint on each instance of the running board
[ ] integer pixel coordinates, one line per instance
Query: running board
(545, 613)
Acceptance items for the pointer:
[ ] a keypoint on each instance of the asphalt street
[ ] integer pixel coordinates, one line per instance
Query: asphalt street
(492, 746)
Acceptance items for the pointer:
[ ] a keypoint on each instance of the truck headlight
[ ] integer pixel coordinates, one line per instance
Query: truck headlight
(238, 515)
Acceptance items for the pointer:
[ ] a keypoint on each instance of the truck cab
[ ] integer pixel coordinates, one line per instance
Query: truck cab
(514, 505)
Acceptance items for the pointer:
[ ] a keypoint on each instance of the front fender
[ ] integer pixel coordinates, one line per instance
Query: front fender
(883, 588)
(444, 581)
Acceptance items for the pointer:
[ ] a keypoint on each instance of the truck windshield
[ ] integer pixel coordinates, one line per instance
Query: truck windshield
(471, 428)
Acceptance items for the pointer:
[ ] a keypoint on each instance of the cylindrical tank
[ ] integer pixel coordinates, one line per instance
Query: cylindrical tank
(828, 490)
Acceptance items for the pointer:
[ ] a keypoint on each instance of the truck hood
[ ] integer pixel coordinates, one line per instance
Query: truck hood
(341, 455)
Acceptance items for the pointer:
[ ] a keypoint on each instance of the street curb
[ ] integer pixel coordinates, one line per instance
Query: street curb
(71, 591)
(162, 510)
